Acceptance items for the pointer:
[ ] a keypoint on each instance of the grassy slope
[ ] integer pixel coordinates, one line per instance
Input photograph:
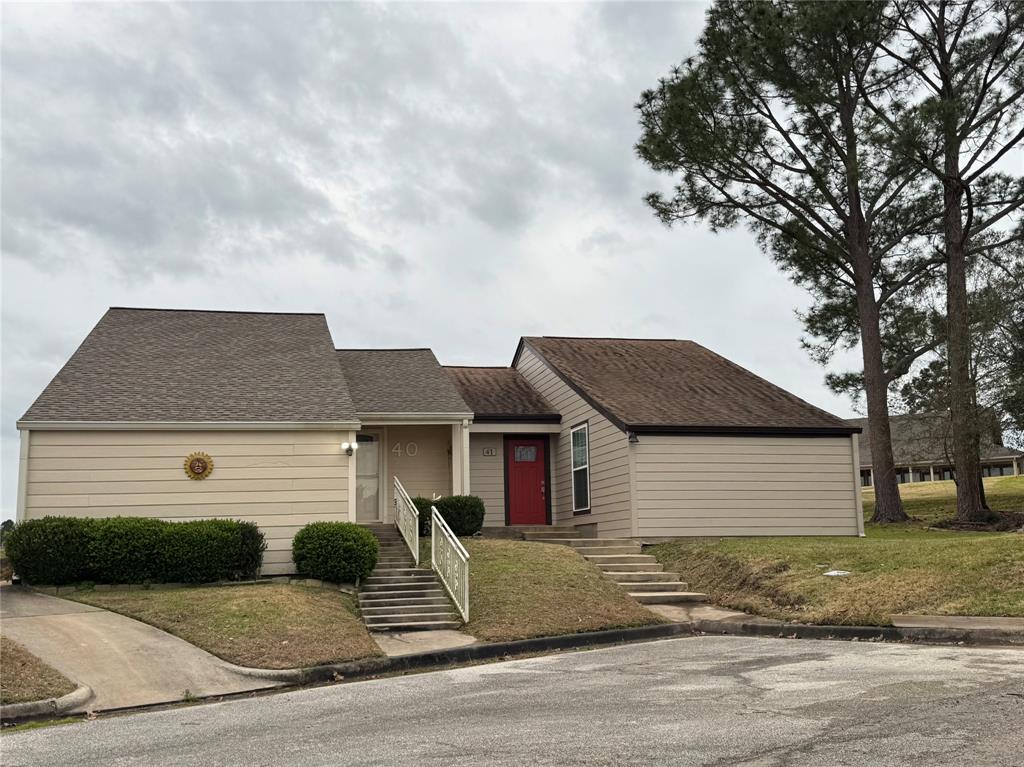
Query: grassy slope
(26, 678)
(263, 626)
(896, 569)
(520, 590)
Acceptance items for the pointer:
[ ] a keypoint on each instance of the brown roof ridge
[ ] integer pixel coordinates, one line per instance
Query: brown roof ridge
(210, 311)
(613, 338)
(384, 349)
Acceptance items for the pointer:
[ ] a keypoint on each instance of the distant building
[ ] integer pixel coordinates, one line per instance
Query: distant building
(923, 451)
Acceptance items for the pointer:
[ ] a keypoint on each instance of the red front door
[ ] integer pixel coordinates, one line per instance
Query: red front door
(526, 472)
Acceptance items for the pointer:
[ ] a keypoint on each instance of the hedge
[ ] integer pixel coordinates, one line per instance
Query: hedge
(340, 552)
(61, 550)
(463, 513)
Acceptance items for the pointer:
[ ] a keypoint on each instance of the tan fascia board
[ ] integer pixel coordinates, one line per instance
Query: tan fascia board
(515, 428)
(402, 419)
(188, 425)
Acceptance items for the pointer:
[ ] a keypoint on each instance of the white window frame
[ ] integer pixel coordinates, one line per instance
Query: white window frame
(573, 468)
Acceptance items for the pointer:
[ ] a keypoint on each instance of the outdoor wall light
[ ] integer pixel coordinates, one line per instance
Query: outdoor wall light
(633, 439)
(349, 447)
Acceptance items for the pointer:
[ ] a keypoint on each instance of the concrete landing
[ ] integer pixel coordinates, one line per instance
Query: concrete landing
(395, 643)
(683, 613)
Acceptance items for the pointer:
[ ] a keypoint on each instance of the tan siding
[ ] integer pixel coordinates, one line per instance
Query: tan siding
(429, 472)
(609, 456)
(280, 480)
(701, 485)
(487, 475)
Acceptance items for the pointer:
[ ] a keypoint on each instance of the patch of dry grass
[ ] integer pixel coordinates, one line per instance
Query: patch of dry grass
(519, 590)
(262, 626)
(25, 678)
(913, 571)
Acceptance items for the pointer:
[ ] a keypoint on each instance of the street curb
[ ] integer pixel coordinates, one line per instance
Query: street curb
(865, 633)
(467, 653)
(48, 707)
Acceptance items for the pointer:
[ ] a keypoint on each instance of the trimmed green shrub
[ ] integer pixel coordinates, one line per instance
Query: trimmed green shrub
(340, 552)
(51, 550)
(423, 507)
(61, 550)
(127, 550)
(207, 550)
(463, 513)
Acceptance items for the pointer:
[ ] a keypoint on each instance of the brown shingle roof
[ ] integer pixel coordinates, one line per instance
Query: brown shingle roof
(399, 381)
(169, 365)
(677, 386)
(501, 394)
(925, 439)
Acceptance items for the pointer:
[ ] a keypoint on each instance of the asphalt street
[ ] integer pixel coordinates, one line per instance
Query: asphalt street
(698, 701)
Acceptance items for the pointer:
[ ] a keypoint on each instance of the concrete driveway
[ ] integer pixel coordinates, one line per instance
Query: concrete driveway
(700, 701)
(125, 662)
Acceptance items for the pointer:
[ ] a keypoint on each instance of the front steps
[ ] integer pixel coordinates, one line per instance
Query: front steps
(398, 596)
(623, 561)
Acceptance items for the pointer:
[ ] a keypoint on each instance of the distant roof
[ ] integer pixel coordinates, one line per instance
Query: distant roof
(167, 365)
(924, 439)
(501, 394)
(677, 387)
(399, 381)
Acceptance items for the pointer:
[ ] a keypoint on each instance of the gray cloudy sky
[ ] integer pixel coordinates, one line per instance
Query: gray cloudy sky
(452, 176)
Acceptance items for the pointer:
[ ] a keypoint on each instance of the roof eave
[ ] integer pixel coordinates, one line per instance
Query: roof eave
(30, 425)
(517, 418)
(749, 431)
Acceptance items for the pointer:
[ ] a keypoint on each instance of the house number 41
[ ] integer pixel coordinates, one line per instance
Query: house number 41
(410, 449)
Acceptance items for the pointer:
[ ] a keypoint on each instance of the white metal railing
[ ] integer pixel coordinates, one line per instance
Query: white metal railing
(450, 561)
(407, 520)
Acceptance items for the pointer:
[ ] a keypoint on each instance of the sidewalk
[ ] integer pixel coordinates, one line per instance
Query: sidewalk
(125, 662)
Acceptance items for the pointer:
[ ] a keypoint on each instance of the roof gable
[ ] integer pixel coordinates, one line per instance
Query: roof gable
(501, 394)
(672, 386)
(400, 381)
(185, 366)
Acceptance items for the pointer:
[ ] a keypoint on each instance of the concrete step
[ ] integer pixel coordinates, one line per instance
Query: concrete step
(631, 567)
(413, 581)
(621, 559)
(576, 541)
(413, 572)
(667, 597)
(417, 609)
(427, 615)
(645, 588)
(372, 600)
(409, 625)
(626, 548)
(428, 584)
(625, 576)
(391, 572)
(557, 533)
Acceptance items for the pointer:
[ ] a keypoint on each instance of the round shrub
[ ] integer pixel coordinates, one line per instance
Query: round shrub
(51, 550)
(340, 552)
(423, 507)
(127, 550)
(463, 513)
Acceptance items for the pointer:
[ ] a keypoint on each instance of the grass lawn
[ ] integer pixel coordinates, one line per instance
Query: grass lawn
(25, 678)
(895, 569)
(262, 626)
(519, 590)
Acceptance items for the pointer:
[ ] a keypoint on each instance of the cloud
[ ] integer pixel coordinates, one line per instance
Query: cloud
(426, 174)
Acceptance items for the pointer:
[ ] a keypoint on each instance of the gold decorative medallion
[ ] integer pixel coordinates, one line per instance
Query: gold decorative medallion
(198, 466)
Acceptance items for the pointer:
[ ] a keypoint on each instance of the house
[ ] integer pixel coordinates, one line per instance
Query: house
(923, 451)
(182, 414)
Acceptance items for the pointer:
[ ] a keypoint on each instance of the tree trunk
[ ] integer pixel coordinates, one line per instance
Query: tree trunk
(963, 416)
(888, 505)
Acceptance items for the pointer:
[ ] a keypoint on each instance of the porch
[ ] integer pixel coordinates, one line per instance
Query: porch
(432, 460)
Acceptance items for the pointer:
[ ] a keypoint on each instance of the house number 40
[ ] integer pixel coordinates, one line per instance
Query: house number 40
(410, 449)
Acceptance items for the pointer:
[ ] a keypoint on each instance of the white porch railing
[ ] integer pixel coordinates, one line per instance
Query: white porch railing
(450, 561)
(407, 520)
